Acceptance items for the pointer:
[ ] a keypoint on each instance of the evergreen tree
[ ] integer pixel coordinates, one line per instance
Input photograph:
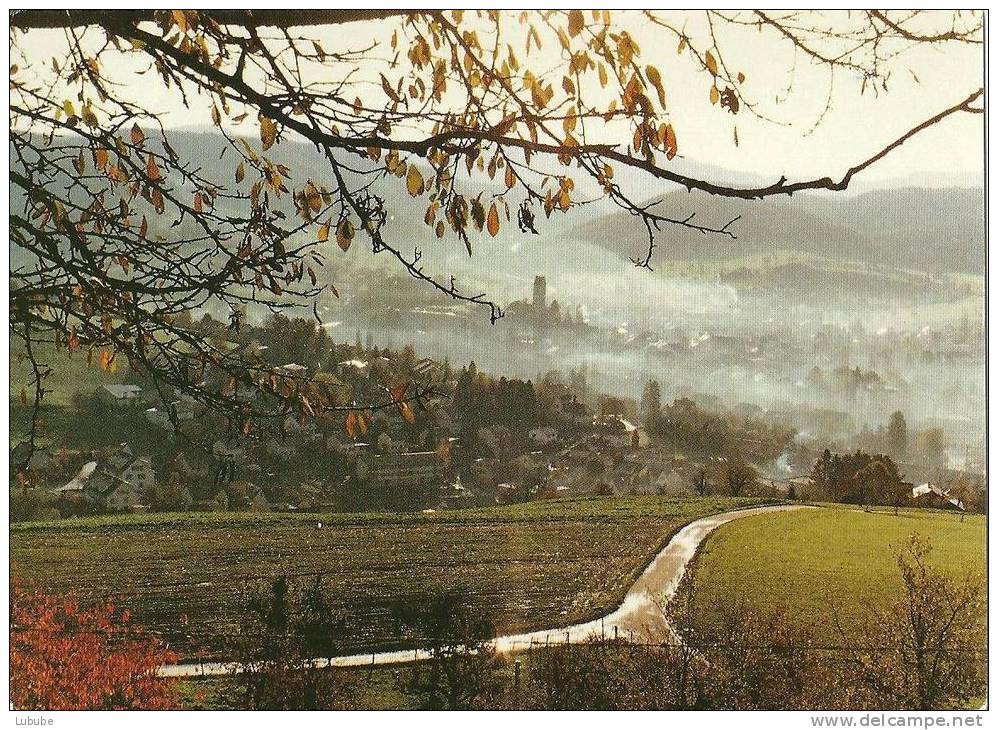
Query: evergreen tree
(897, 436)
(651, 403)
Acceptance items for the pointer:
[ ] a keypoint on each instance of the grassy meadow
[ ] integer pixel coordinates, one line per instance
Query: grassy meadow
(189, 576)
(807, 560)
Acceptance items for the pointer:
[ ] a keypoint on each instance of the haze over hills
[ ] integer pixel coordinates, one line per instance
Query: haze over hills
(932, 229)
(890, 279)
(925, 227)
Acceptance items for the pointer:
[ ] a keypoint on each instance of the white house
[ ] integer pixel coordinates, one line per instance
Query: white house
(119, 394)
(117, 483)
(139, 474)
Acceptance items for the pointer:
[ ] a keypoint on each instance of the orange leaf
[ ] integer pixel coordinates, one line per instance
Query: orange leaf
(152, 169)
(492, 222)
(106, 360)
(671, 145)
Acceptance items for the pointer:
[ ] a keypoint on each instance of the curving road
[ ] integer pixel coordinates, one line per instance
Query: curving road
(638, 615)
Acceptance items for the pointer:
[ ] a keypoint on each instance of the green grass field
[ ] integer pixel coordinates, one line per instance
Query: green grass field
(70, 374)
(803, 561)
(58, 425)
(188, 576)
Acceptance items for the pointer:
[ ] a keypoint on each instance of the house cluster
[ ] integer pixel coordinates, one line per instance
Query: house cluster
(598, 458)
(118, 481)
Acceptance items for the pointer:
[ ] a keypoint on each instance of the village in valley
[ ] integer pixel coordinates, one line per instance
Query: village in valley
(470, 439)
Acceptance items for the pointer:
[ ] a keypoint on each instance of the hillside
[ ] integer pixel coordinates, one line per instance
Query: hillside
(934, 229)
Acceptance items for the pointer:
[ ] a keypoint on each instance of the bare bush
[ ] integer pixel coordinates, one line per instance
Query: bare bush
(928, 650)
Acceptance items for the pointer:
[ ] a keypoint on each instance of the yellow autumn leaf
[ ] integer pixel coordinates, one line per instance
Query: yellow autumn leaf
(268, 132)
(240, 172)
(407, 413)
(137, 135)
(711, 63)
(344, 233)
(656, 80)
(324, 231)
(180, 19)
(414, 181)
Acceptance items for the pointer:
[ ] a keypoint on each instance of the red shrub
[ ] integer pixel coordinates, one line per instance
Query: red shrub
(67, 656)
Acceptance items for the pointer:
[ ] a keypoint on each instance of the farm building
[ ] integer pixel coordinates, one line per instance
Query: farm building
(113, 494)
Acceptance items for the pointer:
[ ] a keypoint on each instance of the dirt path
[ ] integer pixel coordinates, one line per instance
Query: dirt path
(637, 616)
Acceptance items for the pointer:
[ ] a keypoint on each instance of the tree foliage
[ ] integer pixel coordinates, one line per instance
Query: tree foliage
(66, 655)
(859, 478)
(461, 671)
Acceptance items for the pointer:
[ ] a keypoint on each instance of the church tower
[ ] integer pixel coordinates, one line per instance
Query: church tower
(540, 291)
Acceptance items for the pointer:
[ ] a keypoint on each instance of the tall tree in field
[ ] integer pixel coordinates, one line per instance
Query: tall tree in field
(117, 231)
(931, 446)
(737, 477)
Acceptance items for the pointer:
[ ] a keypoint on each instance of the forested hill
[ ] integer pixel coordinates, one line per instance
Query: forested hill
(933, 229)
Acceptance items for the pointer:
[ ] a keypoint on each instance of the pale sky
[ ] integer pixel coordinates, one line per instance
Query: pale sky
(855, 127)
